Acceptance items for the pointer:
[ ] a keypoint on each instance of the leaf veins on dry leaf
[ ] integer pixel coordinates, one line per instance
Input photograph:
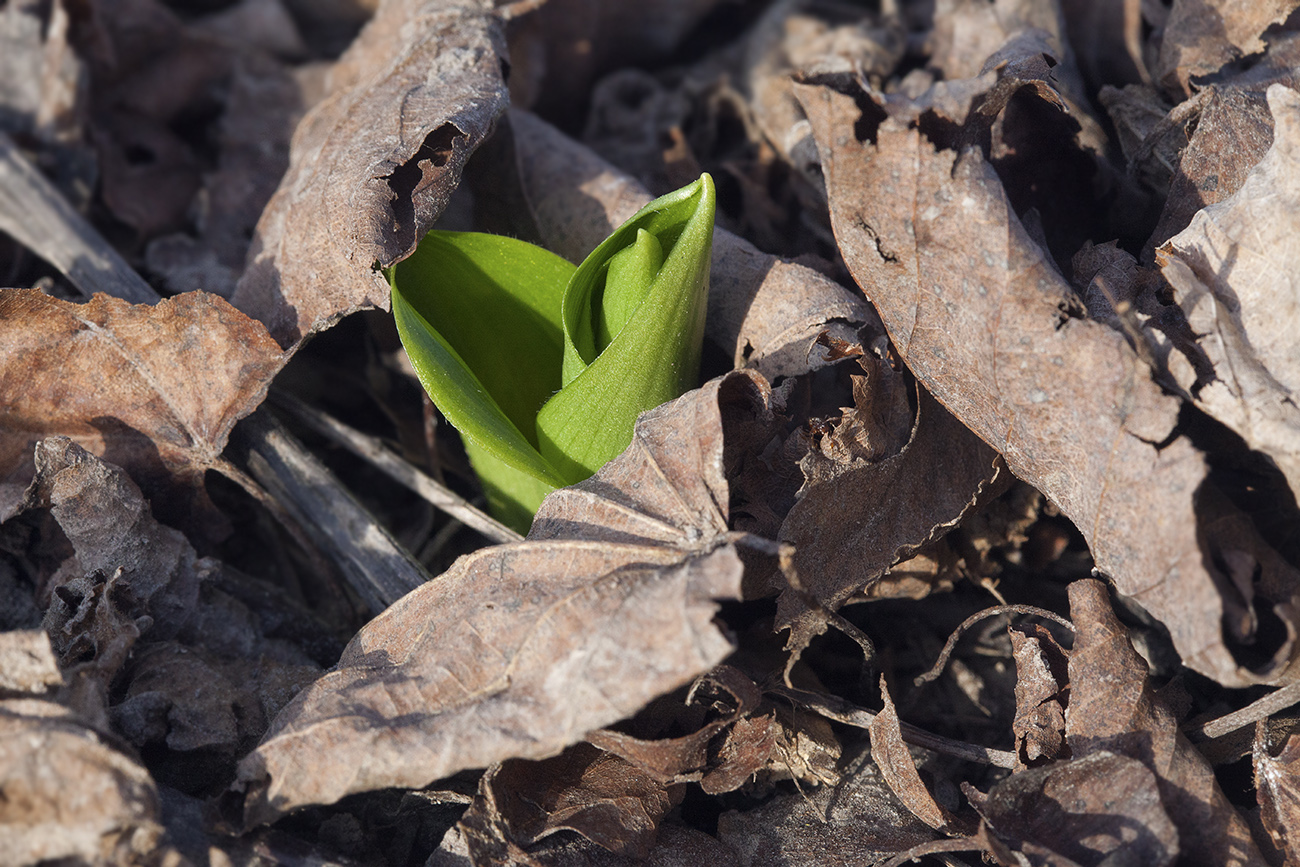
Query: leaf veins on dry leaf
(980, 314)
(519, 650)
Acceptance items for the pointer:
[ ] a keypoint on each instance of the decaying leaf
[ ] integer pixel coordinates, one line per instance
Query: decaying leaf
(860, 821)
(68, 793)
(154, 389)
(982, 317)
(898, 768)
(1203, 36)
(1233, 273)
(374, 163)
(519, 650)
(584, 789)
(763, 311)
(1041, 679)
(1277, 787)
(1113, 709)
(897, 505)
(1090, 811)
(1228, 130)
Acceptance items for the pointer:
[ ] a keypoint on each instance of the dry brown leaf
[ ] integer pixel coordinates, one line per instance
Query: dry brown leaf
(109, 524)
(520, 650)
(584, 789)
(898, 768)
(1277, 786)
(68, 794)
(847, 530)
(860, 821)
(1203, 36)
(373, 164)
(1041, 677)
(1233, 273)
(1228, 129)
(558, 49)
(676, 846)
(27, 662)
(154, 389)
(1113, 709)
(764, 311)
(1089, 811)
(982, 317)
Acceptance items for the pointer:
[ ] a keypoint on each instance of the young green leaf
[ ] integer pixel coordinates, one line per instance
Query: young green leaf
(655, 355)
(544, 367)
(478, 315)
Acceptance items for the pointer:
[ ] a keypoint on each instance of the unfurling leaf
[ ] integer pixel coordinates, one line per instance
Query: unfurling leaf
(542, 367)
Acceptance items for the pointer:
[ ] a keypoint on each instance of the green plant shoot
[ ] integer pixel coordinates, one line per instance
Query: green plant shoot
(544, 367)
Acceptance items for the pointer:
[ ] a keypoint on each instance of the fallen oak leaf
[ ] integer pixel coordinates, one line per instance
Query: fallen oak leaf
(373, 165)
(986, 323)
(520, 650)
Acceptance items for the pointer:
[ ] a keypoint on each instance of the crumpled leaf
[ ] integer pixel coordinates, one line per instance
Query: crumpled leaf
(108, 522)
(1089, 811)
(584, 789)
(154, 389)
(68, 792)
(1041, 681)
(858, 822)
(764, 311)
(848, 529)
(1233, 274)
(374, 163)
(1203, 36)
(1226, 130)
(1277, 787)
(982, 317)
(1113, 709)
(519, 650)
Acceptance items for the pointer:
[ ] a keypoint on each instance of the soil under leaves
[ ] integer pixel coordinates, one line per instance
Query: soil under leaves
(977, 545)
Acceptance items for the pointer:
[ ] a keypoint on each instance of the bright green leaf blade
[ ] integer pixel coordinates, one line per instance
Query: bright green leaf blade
(461, 397)
(631, 271)
(665, 218)
(496, 302)
(654, 358)
(513, 497)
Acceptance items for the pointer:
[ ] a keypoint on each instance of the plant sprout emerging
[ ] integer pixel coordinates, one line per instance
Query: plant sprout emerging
(544, 367)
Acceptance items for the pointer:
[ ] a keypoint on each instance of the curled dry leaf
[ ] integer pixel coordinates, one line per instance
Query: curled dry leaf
(1227, 129)
(1277, 786)
(848, 529)
(981, 316)
(1041, 680)
(860, 821)
(154, 389)
(1203, 36)
(1089, 811)
(898, 768)
(1113, 709)
(520, 650)
(373, 165)
(68, 794)
(584, 789)
(764, 311)
(108, 522)
(1233, 271)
